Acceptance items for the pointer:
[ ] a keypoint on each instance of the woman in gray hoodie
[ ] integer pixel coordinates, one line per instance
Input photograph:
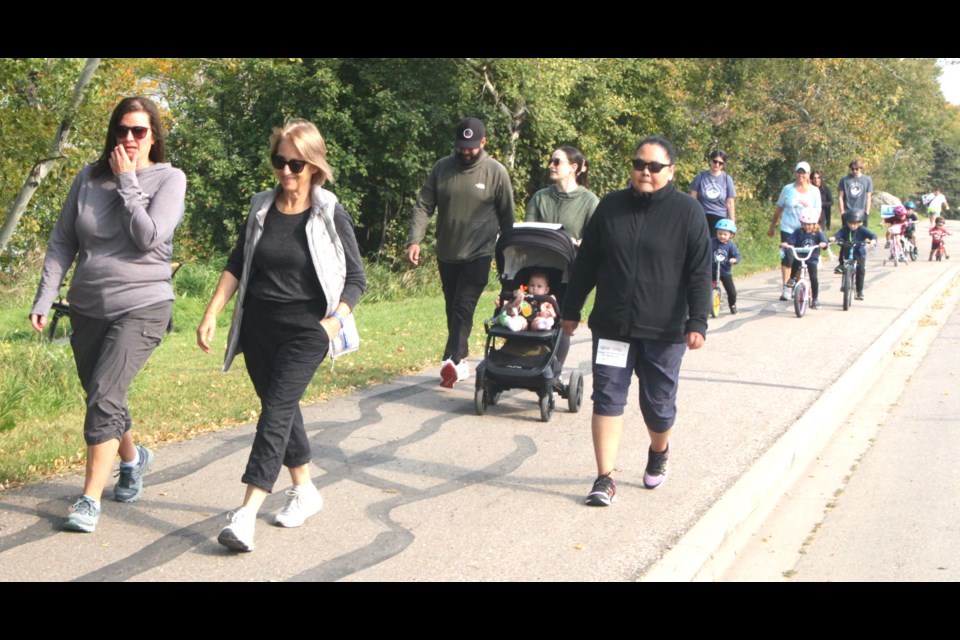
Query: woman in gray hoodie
(117, 223)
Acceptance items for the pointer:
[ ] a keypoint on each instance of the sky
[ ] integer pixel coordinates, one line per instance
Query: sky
(950, 79)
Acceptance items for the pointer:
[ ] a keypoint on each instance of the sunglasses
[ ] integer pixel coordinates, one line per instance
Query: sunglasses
(139, 133)
(654, 167)
(554, 161)
(278, 162)
(717, 161)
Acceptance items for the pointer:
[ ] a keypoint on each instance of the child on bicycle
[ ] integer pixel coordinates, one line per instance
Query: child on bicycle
(854, 231)
(937, 234)
(724, 247)
(911, 228)
(898, 222)
(808, 235)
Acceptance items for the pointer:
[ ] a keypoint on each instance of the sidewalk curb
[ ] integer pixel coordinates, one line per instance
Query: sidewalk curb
(713, 542)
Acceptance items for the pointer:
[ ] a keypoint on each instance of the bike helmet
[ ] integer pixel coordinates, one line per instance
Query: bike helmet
(909, 204)
(809, 216)
(899, 210)
(726, 224)
(853, 215)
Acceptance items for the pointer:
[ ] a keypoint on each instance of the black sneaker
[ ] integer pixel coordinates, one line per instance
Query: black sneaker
(815, 304)
(859, 296)
(733, 309)
(656, 471)
(604, 492)
(839, 270)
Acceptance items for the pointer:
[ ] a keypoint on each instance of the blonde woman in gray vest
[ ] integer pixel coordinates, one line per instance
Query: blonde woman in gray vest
(297, 274)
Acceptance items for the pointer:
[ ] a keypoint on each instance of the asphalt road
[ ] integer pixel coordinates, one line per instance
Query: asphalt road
(419, 488)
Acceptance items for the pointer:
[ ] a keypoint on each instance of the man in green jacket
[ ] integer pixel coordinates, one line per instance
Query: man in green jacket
(473, 197)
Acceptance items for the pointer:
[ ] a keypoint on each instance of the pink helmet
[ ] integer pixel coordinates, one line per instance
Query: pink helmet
(809, 216)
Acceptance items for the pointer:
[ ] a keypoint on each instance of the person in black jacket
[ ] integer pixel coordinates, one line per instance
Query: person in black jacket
(647, 251)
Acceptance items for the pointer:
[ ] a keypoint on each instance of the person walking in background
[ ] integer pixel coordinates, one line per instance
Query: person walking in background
(855, 191)
(794, 198)
(568, 202)
(715, 192)
(936, 205)
(826, 198)
(473, 197)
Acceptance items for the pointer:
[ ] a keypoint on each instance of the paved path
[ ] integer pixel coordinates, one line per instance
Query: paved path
(419, 488)
(880, 503)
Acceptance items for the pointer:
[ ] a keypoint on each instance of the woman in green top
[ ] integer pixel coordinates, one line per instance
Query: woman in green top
(567, 200)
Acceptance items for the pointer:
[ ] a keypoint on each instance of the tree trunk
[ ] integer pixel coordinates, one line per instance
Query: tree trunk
(43, 166)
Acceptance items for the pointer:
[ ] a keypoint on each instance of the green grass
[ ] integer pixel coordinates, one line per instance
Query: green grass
(181, 391)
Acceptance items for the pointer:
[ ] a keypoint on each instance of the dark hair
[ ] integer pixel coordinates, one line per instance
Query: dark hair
(716, 153)
(575, 156)
(816, 173)
(661, 142)
(129, 105)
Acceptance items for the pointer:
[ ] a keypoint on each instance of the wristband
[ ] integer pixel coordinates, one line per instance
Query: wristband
(338, 317)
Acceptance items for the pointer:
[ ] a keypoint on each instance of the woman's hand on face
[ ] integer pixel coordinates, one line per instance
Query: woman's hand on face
(38, 322)
(120, 162)
(332, 326)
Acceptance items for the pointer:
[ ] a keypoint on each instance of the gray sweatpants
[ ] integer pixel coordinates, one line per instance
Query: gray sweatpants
(109, 354)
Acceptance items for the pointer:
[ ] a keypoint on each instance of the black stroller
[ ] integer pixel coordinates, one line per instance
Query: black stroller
(527, 359)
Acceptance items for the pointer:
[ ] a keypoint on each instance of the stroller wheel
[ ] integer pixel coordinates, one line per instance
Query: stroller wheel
(493, 398)
(546, 407)
(575, 392)
(480, 402)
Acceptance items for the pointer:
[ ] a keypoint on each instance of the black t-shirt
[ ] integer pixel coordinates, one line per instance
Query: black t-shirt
(282, 268)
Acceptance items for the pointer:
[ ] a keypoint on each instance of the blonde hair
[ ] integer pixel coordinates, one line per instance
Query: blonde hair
(307, 140)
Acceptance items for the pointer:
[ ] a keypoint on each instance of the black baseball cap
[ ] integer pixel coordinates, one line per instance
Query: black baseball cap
(470, 132)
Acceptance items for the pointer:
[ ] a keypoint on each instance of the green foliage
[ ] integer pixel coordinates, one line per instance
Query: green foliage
(387, 121)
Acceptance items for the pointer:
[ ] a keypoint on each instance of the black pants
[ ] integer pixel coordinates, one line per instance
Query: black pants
(462, 285)
(814, 280)
(730, 288)
(109, 354)
(282, 346)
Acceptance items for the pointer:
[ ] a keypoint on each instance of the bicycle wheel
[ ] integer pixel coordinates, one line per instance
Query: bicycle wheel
(847, 287)
(800, 298)
(717, 299)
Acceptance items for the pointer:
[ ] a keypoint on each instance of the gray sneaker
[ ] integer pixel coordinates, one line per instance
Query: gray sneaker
(84, 516)
(130, 485)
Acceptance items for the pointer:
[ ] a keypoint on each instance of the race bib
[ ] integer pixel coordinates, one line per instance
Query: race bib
(612, 353)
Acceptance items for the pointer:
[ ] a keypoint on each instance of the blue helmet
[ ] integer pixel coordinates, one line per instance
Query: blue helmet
(726, 224)
(909, 204)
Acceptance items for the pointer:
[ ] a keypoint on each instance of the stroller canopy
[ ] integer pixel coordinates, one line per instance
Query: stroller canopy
(534, 245)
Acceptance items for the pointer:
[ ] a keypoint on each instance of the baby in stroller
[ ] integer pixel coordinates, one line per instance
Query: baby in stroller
(531, 306)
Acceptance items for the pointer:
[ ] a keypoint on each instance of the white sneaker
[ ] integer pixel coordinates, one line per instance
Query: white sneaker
(463, 371)
(301, 504)
(449, 373)
(238, 535)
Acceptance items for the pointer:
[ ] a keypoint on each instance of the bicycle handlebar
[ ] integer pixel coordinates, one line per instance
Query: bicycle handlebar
(808, 250)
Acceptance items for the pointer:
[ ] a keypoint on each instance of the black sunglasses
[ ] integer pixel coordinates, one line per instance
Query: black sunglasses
(554, 161)
(654, 167)
(717, 161)
(278, 162)
(139, 133)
